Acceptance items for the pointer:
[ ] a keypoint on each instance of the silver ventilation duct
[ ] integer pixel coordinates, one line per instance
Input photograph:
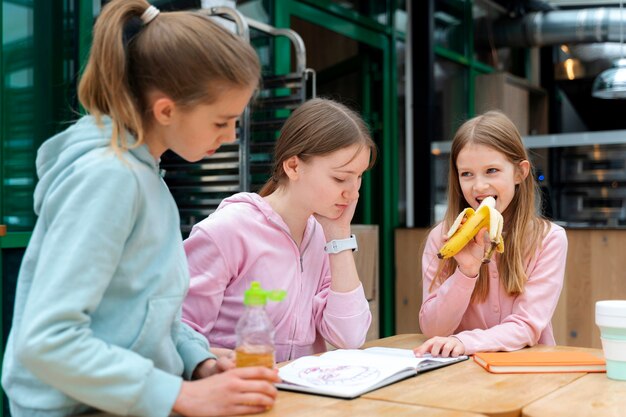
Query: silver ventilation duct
(556, 27)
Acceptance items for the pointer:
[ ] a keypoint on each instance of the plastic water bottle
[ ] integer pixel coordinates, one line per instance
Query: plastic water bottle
(255, 331)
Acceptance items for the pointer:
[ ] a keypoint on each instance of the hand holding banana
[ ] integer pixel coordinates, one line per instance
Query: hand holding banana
(460, 234)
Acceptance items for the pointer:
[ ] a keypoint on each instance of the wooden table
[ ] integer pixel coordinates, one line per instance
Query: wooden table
(467, 390)
(302, 405)
(591, 395)
(468, 387)
(291, 404)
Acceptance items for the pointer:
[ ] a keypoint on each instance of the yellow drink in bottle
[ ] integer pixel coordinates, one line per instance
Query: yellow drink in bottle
(255, 331)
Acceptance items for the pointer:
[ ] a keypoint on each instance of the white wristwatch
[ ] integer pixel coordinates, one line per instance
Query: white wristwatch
(339, 245)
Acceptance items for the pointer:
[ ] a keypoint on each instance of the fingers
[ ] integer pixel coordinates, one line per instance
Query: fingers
(254, 399)
(249, 409)
(447, 348)
(482, 237)
(423, 348)
(441, 346)
(250, 402)
(225, 363)
(258, 388)
(219, 352)
(458, 350)
(257, 372)
(437, 346)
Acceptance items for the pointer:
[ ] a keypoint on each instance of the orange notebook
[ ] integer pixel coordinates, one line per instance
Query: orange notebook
(539, 362)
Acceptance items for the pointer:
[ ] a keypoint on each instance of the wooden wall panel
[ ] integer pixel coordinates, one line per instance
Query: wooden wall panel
(409, 248)
(578, 284)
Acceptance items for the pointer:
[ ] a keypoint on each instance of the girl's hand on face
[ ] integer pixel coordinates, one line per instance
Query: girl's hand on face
(470, 258)
(238, 391)
(338, 228)
(441, 347)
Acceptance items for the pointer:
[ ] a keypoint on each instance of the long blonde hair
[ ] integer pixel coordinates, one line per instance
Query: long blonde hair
(318, 127)
(524, 228)
(184, 55)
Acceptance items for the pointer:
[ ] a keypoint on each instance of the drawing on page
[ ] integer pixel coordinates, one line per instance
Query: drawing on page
(339, 375)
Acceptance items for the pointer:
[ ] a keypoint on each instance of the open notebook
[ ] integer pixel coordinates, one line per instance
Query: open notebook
(348, 373)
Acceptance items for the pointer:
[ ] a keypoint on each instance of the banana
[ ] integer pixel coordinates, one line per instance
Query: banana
(460, 234)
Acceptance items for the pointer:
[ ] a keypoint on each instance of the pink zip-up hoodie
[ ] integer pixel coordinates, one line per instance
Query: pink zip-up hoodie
(502, 322)
(245, 240)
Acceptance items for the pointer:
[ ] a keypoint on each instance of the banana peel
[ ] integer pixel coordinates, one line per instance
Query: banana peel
(461, 233)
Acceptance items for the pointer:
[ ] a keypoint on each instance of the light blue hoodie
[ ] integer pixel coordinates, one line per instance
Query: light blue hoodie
(99, 295)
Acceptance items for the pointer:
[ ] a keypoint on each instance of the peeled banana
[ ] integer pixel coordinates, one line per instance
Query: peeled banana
(460, 234)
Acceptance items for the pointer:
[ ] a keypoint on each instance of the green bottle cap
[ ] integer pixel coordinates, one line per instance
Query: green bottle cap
(257, 296)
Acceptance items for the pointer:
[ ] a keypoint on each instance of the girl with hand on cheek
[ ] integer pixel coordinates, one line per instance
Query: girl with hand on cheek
(294, 235)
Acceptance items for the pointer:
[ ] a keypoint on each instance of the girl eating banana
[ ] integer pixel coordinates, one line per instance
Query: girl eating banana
(490, 282)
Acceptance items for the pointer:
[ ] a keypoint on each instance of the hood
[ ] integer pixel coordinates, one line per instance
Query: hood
(255, 201)
(57, 155)
(259, 204)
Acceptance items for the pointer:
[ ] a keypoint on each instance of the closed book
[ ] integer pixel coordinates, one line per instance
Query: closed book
(348, 373)
(539, 362)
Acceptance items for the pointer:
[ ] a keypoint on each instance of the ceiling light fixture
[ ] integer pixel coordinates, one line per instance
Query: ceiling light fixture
(611, 83)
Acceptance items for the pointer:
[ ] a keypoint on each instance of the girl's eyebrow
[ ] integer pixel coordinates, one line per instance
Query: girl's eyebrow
(228, 116)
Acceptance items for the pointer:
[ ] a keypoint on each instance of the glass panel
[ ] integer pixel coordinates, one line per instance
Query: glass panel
(484, 13)
(375, 9)
(449, 25)
(39, 68)
(451, 92)
(401, 120)
(18, 116)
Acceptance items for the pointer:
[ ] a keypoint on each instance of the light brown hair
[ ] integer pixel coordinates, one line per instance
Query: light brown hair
(316, 128)
(184, 55)
(524, 227)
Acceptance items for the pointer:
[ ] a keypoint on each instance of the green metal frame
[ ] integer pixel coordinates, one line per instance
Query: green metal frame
(382, 37)
(2, 106)
(466, 59)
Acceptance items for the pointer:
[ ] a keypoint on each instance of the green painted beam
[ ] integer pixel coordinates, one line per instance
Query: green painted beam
(462, 60)
(15, 240)
(349, 15)
(332, 22)
(2, 136)
(452, 55)
(366, 198)
(390, 189)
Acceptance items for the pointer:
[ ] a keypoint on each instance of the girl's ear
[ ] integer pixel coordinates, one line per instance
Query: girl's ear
(292, 167)
(522, 171)
(163, 110)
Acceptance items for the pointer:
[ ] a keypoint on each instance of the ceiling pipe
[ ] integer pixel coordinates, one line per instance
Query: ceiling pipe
(593, 25)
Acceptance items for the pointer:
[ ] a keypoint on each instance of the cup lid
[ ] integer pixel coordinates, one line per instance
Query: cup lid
(616, 308)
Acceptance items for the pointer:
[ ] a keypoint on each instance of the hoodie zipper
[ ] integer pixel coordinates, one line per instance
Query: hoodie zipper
(300, 253)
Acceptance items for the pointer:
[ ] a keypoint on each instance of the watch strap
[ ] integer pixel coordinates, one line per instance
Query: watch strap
(339, 245)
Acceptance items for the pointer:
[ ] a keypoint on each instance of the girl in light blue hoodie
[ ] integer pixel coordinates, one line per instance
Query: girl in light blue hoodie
(98, 303)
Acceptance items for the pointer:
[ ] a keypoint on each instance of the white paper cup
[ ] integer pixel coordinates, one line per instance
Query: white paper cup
(611, 319)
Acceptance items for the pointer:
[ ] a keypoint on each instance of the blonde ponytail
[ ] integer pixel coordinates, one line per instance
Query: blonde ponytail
(184, 55)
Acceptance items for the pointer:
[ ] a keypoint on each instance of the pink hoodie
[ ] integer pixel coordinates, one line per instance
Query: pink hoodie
(244, 241)
(502, 322)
